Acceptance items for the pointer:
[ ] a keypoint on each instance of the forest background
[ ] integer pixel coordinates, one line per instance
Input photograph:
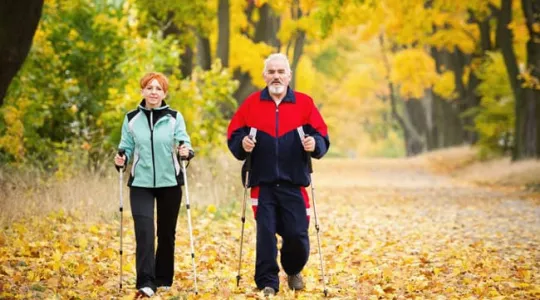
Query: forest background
(392, 78)
(448, 85)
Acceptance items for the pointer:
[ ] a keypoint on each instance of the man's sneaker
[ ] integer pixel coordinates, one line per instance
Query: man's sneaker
(145, 292)
(268, 291)
(295, 282)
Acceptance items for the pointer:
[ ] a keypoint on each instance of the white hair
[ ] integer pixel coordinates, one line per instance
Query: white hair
(276, 56)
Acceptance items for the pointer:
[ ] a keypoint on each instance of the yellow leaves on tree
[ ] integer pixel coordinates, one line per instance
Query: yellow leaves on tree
(409, 22)
(445, 85)
(248, 56)
(307, 74)
(13, 140)
(238, 15)
(413, 70)
(308, 5)
(464, 38)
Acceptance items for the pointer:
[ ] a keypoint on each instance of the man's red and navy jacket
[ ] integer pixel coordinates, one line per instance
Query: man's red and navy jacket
(278, 155)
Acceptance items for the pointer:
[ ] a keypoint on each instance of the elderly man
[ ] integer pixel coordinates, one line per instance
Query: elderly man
(279, 128)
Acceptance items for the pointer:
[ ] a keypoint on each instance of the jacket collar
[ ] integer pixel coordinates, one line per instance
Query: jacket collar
(289, 96)
(142, 105)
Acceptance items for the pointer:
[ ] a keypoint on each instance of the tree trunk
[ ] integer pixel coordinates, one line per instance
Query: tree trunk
(299, 40)
(468, 98)
(18, 23)
(265, 31)
(186, 61)
(245, 87)
(485, 34)
(297, 53)
(186, 58)
(453, 127)
(427, 104)
(415, 120)
(448, 124)
(414, 143)
(268, 26)
(204, 56)
(224, 28)
(414, 109)
(504, 40)
(531, 11)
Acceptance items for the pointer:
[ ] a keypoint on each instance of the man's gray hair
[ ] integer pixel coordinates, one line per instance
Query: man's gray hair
(277, 56)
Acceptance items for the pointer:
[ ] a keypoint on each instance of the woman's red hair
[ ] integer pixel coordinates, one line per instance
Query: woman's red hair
(162, 79)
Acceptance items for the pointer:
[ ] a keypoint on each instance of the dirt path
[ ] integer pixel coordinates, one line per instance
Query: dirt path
(389, 230)
(403, 219)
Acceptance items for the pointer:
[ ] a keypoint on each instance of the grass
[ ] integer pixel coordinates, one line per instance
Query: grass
(217, 181)
(463, 163)
(27, 193)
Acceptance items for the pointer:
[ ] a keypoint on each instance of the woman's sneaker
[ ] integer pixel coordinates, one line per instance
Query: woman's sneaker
(268, 291)
(145, 292)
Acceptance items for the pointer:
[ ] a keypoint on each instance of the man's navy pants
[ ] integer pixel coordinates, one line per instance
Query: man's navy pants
(283, 209)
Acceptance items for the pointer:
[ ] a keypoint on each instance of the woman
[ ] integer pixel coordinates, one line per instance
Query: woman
(152, 136)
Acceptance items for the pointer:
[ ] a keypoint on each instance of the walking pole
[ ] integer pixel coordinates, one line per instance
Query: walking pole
(183, 161)
(310, 166)
(246, 182)
(121, 152)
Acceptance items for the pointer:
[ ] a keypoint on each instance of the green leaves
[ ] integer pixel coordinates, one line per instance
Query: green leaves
(206, 103)
(65, 108)
(495, 118)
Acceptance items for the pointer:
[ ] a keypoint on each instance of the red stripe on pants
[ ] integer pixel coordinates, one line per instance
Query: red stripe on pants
(254, 194)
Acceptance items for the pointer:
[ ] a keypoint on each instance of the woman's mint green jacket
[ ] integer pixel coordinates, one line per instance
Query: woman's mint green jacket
(150, 138)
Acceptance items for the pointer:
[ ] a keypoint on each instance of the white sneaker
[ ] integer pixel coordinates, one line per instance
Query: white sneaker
(146, 292)
(165, 288)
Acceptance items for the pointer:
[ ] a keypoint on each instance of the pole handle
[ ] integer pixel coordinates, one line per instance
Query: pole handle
(310, 166)
(248, 157)
(248, 162)
(121, 152)
(181, 157)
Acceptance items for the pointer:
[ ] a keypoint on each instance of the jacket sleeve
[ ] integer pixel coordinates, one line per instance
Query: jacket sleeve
(180, 134)
(317, 128)
(127, 142)
(236, 131)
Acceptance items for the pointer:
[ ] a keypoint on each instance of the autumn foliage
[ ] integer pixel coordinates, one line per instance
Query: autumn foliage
(389, 230)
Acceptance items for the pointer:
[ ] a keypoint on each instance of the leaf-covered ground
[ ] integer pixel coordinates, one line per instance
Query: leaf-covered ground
(389, 230)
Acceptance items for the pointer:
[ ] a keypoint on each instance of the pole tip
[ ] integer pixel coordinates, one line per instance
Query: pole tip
(325, 292)
(237, 280)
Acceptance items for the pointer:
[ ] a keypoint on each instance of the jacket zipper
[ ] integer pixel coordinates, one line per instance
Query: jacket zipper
(152, 144)
(277, 140)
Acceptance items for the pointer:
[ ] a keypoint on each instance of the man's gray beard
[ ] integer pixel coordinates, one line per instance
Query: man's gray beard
(276, 90)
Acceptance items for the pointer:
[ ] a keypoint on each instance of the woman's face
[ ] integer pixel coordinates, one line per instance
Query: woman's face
(153, 93)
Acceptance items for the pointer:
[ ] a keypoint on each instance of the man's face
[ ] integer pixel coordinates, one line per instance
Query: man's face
(277, 77)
